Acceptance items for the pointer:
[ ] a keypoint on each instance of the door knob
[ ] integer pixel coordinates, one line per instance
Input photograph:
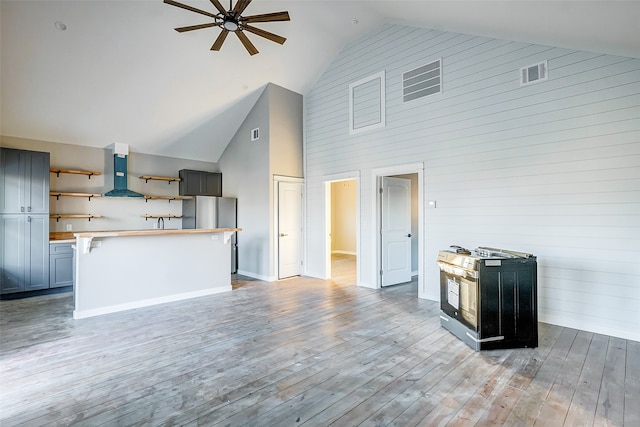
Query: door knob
(283, 235)
(409, 235)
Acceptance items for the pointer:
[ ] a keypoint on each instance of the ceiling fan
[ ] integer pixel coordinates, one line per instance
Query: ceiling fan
(232, 21)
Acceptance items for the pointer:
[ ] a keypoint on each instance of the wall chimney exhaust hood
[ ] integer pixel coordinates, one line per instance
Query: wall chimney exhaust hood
(120, 178)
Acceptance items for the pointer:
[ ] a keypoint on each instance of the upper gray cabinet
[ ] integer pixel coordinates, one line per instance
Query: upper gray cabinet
(24, 181)
(200, 183)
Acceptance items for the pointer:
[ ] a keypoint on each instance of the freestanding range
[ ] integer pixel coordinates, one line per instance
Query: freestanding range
(488, 297)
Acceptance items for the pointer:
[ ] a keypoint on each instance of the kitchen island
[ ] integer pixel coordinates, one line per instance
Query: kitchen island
(122, 270)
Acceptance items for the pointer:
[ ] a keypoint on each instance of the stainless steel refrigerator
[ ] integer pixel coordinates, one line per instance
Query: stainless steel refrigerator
(212, 212)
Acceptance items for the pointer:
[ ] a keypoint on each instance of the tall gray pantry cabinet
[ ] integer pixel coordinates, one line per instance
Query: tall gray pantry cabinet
(24, 220)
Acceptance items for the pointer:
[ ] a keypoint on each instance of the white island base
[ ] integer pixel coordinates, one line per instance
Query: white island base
(122, 270)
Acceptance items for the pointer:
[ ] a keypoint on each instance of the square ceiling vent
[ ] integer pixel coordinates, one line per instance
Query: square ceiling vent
(534, 73)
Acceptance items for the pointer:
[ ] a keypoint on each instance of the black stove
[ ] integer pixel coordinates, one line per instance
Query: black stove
(488, 297)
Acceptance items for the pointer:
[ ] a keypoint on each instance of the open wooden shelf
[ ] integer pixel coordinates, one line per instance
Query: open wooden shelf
(169, 198)
(170, 179)
(168, 216)
(58, 194)
(71, 216)
(74, 172)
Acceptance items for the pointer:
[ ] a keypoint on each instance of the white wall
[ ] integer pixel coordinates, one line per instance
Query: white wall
(245, 171)
(248, 168)
(118, 213)
(551, 168)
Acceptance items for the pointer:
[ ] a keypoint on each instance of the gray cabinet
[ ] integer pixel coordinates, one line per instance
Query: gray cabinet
(61, 265)
(24, 220)
(24, 252)
(200, 183)
(24, 180)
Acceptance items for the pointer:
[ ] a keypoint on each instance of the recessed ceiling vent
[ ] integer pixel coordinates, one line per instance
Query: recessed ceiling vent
(534, 73)
(423, 81)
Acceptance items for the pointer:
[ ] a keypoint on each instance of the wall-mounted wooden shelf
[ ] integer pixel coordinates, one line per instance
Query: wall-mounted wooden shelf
(168, 216)
(58, 194)
(169, 198)
(74, 172)
(170, 179)
(72, 216)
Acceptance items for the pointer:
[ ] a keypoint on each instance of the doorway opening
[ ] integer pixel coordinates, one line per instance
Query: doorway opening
(342, 229)
(399, 228)
(343, 236)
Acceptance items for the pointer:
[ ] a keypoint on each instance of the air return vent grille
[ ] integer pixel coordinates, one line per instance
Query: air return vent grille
(423, 81)
(534, 73)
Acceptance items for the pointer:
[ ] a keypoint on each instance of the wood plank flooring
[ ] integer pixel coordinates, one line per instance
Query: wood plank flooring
(299, 352)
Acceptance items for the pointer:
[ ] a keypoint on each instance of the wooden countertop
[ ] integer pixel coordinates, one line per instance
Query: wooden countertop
(123, 233)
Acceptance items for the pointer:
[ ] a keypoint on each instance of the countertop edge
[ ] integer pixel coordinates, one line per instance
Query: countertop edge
(124, 233)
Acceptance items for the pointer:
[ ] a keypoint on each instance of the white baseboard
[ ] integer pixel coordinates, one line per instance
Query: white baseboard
(83, 314)
(257, 276)
(367, 285)
(584, 323)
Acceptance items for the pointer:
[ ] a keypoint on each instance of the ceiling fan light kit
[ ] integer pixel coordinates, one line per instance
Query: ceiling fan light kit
(232, 21)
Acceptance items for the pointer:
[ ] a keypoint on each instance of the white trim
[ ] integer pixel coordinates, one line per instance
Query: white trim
(283, 178)
(83, 314)
(417, 168)
(327, 180)
(257, 276)
(382, 123)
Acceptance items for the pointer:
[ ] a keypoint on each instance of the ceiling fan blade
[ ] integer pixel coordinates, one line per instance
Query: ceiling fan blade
(218, 6)
(241, 5)
(192, 9)
(247, 43)
(266, 34)
(267, 17)
(221, 38)
(196, 27)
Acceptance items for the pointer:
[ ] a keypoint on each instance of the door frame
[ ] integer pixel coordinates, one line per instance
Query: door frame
(277, 179)
(377, 174)
(327, 180)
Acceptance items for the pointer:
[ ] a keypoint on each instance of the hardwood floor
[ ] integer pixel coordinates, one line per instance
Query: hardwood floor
(299, 352)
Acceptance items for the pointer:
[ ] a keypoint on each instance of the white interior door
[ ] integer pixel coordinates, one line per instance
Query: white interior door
(289, 229)
(396, 230)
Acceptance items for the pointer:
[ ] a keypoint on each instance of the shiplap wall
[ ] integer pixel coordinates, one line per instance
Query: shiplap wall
(551, 168)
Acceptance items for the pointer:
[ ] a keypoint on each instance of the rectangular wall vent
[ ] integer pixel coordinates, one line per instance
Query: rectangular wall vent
(534, 73)
(367, 103)
(255, 134)
(422, 81)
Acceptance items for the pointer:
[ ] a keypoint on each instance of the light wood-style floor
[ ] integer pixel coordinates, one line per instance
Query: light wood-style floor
(299, 352)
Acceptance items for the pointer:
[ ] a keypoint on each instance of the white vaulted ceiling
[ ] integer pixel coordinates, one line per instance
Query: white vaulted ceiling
(120, 73)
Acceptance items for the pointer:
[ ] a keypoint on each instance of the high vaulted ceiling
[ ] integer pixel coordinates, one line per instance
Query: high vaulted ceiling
(120, 73)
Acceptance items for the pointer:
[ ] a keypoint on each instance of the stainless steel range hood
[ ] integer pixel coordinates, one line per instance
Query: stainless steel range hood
(120, 177)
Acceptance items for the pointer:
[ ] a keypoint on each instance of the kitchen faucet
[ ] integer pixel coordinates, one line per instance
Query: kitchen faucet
(161, 220)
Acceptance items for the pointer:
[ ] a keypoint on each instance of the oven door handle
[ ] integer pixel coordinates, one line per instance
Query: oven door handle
(458, 271)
